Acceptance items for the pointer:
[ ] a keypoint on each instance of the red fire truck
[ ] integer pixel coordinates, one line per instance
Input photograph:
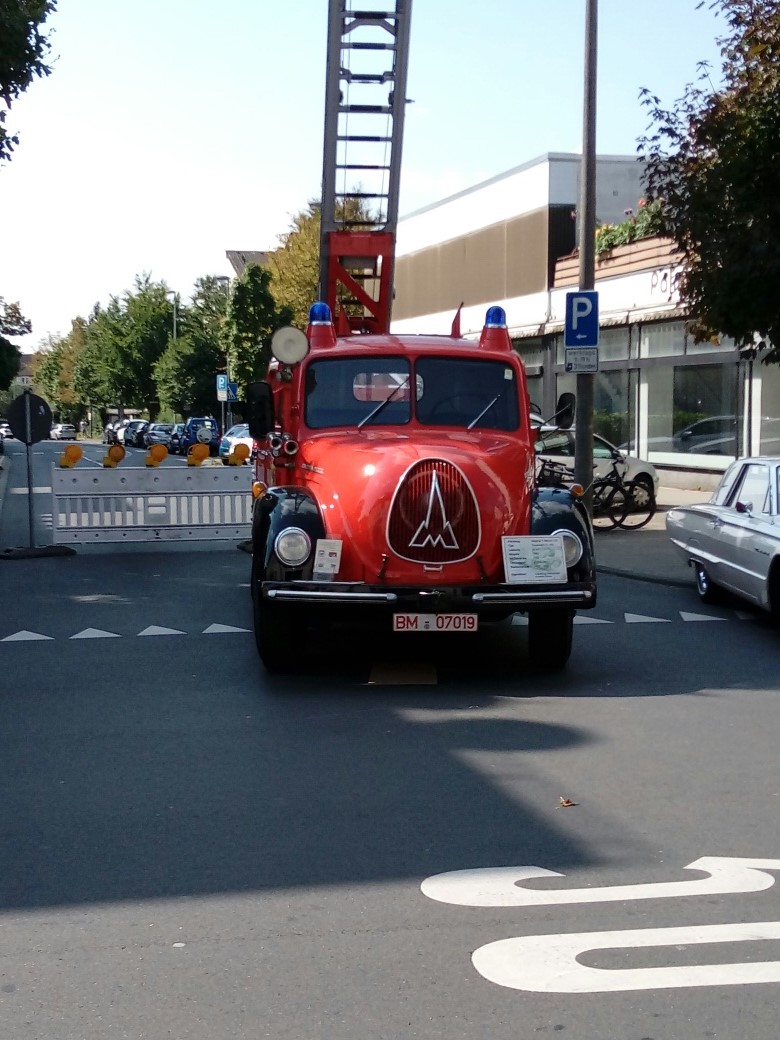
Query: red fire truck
(396, 474)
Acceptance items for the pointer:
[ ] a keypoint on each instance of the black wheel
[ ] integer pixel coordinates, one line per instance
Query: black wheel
(609, 506)
(641, 506)
(708, 591)
(278, 633)
(549, 638)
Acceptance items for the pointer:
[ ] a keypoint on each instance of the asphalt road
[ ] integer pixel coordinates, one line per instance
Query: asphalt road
(192, 849)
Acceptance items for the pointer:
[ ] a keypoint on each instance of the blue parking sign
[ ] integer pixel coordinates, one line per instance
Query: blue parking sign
(222, 381)
(581, 328)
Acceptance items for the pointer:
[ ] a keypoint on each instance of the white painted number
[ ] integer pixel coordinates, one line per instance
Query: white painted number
(497, 886)
(549, 963)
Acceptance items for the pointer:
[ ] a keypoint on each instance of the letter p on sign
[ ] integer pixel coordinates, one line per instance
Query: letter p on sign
(581, 328)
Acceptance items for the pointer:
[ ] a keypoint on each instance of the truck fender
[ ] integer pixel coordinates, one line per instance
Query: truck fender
(555, 509)
(279, 508)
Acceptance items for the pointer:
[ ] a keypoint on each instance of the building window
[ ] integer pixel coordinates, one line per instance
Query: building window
(665, 339)
(613, 404)
(692, 410)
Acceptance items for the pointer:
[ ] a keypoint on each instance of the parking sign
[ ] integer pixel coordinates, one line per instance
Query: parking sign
(581, 328)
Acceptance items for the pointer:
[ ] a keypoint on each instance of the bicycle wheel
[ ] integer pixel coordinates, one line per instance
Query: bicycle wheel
(609, 506)
(641, 506)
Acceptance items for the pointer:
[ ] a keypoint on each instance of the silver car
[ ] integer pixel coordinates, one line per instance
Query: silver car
(733, 541)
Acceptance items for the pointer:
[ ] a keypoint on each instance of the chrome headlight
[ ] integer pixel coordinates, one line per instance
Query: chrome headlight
(292, 546)
(572, 546)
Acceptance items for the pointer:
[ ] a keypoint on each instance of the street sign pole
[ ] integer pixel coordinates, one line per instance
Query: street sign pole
(583, 429)
(29, 439)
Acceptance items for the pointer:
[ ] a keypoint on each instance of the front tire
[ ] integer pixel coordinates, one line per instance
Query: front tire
(549, 638)
(278, 636)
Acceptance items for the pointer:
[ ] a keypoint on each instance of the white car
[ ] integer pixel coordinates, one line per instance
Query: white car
(238, 434)
(558, 445)
(63, 432)
(733, 541)
(5, 432)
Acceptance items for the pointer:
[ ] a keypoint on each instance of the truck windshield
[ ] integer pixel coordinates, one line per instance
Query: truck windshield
(468, 393)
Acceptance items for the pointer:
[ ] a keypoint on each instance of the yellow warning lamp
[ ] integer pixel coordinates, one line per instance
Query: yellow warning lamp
(197, 453)
(156, 454)
(114, 456)
(239, 455)
(70, 456)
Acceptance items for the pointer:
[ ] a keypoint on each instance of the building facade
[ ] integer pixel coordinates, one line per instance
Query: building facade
(689, 408)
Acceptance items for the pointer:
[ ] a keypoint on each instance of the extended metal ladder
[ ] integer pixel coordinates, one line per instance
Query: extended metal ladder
(364, 118)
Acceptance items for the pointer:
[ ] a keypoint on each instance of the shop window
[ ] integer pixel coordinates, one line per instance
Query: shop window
(665, 339)
(613, 411)
(770, 409)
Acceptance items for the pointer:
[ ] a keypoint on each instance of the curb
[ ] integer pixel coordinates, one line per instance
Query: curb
(654, 579)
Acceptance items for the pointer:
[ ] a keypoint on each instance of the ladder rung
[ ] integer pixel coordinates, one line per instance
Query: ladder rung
(365, 138)
(366, 77)
(366, 109)
(356, 46)
(361, 195)
(367, 224)
(360, 166)
(384, 15)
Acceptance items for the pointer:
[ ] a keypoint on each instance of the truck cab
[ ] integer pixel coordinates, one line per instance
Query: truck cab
(395, 482)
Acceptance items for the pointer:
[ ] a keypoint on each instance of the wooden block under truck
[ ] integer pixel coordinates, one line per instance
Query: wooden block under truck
(396, 483)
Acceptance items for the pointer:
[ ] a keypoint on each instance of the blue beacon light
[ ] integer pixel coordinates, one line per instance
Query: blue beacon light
(495, 318)
(319, 314)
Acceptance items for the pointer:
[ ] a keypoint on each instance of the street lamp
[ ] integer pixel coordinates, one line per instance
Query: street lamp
(172, 292)
(224, 281)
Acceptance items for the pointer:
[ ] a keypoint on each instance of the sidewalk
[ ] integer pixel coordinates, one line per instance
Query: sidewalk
(647, 554)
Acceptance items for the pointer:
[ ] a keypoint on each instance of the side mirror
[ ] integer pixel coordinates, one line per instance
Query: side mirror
(564, 411)
(259, 409)
(744, 507)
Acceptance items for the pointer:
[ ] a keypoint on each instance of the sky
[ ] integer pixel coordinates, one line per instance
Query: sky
(170, 131)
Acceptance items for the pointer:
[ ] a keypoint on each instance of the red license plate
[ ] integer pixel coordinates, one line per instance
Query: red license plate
(435, 622)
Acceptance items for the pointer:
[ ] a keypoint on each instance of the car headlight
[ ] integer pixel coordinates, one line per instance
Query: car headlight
(292, 546)
(572, 546)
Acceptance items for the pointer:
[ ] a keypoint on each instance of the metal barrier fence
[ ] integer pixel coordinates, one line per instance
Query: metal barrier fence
(157, 504)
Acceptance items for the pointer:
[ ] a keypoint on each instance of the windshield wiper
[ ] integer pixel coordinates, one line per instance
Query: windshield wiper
(486, 409)
(383, 404)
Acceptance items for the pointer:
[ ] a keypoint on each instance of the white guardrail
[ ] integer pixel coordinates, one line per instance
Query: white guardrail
(155, 504)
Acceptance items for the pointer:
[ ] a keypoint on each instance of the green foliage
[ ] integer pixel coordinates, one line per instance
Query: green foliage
(649, 220)
(713, 159)
(23, 50)
(253, 317)
(12, 323)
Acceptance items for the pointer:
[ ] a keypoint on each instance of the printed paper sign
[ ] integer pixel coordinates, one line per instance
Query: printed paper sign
(533, 559)
(327, 558)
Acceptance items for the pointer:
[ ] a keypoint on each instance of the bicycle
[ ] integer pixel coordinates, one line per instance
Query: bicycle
(621, 503)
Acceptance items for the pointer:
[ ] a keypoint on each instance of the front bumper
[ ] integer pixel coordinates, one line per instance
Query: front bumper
(433, 599)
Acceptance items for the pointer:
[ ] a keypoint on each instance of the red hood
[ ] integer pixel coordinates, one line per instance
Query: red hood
(436, 504)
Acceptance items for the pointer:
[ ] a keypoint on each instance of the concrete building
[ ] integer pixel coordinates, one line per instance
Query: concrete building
(690, 408)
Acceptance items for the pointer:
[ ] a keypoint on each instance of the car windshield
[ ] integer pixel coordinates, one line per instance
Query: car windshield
(466, 393)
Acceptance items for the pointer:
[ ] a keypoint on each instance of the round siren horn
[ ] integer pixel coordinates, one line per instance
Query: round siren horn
(289, 345)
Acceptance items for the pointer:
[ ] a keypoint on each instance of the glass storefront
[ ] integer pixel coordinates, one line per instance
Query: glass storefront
(613, 404)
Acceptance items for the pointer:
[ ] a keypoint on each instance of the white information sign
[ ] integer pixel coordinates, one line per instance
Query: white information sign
(533, 559)
(327, 558)
(581, 359)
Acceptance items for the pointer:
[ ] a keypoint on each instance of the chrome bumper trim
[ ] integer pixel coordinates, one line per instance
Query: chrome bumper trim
(580, 596)
(332, 597)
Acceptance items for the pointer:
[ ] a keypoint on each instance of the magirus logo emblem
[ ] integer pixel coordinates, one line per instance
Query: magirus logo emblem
(435, 530)
(434, 517)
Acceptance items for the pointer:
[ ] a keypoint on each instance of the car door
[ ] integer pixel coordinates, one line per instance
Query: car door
(739, 531)
(747, 534)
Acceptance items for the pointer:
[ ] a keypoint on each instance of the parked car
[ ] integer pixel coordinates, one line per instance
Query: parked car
(238, 434)
(733, 541)
(6, 433)
(715, 435)
(63, 432)
(132, 435)
(200, 430)
(119, 430)
(176, 434)
(158, 433)
(558, 445)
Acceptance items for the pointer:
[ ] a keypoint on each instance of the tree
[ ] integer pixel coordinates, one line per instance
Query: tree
(185, 373)
(12, 323)
(253, 317)
(712, 162)
(294, 266)
(23, 50)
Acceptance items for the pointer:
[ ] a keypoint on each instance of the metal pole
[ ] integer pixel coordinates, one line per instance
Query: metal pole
(583, 432)
(28, 438)
(174, 317)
